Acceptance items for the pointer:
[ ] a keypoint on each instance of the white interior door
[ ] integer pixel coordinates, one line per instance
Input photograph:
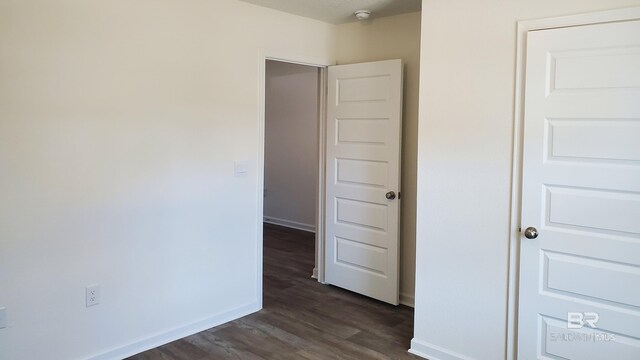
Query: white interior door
(580, 278)
(364, 114)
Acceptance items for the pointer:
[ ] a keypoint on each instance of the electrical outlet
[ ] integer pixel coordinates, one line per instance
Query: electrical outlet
(92, 295)
(3, 317)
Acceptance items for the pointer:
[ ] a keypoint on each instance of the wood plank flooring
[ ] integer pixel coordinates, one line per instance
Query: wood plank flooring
(301, 318)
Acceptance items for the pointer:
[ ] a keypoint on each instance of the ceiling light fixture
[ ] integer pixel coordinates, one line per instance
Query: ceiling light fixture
(362, 14)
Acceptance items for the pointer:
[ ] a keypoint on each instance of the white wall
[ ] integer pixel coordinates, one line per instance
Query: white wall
(464, 170)
(291, 144)
(119, 125)
(394, 37)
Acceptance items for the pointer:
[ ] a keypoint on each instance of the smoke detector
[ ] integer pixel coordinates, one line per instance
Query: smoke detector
(362, 14)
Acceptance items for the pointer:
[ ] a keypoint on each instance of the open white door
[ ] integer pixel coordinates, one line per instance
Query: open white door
(580, 278)
(364, 114)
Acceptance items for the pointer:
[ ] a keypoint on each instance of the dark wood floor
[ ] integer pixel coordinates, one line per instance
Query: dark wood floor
(301, 319)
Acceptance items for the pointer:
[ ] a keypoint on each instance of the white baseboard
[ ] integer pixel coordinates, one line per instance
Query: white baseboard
(290, 224)
(177, 333)
(314, 275)
(433, 352)
(407, 299)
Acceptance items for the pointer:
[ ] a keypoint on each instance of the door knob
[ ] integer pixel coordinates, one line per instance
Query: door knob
(531, 232)
(390, 195)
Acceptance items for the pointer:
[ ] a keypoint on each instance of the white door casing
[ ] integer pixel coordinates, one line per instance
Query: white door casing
(364, 115)
(581, 190)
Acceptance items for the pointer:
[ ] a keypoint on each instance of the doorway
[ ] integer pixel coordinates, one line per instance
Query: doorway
(358, 159)
(292, 95)
(291, 145)
(321, 65)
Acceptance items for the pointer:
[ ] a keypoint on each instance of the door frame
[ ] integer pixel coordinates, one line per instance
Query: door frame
(618, 15)
(321, 64)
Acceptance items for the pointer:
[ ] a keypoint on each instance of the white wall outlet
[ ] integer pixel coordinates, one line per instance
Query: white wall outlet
(3, 317)
(92, 295)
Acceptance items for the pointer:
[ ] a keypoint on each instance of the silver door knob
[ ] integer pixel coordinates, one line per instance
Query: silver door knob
(531, 232)
(390, 195)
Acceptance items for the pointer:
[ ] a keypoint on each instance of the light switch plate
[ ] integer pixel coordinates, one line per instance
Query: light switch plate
(240, 168)
(3, 317)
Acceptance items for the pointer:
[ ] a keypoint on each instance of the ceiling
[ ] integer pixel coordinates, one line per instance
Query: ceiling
(340, 11)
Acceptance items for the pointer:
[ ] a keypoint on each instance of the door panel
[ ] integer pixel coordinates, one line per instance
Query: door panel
(364, 114)
(594, 140)
(581, 190)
